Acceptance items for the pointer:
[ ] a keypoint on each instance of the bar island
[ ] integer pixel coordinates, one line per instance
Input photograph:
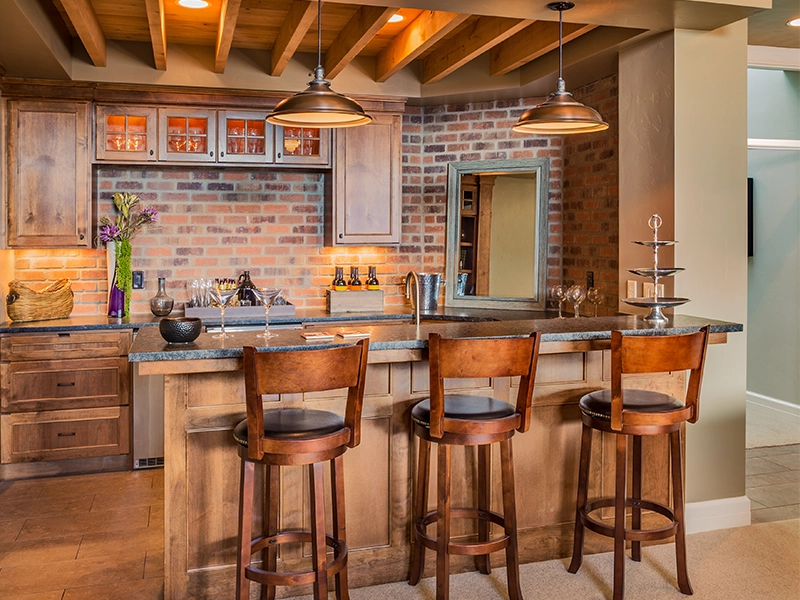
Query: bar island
(204, 400)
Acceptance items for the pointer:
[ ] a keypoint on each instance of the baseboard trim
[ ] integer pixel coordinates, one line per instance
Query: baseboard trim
(774, 404)
(724, 513)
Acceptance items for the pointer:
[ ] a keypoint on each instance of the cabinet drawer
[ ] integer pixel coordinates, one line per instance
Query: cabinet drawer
(65, 344)
(64, 384)
(62, 434)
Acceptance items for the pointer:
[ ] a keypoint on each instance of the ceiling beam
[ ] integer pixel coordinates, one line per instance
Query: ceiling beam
(470, 43)
(228, 17)
(295, 26)
(158, 32)
(85, 22)
(532, 42)
(358, 32)
(424, 31)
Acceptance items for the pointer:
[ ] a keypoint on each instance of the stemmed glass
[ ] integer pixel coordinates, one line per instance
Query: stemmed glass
(576, 294)
(267, 297)
(595, 296)
(559, 294)
(222, 297)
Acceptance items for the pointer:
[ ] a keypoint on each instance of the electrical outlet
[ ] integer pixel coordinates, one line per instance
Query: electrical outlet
(633, 288)
(138, 280)
(589, 280)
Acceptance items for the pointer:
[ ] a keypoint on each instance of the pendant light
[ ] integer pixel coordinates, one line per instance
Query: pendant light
(318, 105)
(560, 113)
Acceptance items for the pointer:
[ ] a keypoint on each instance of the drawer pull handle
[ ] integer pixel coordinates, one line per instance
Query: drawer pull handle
(65, 384)
(66, 434)
(63, 335)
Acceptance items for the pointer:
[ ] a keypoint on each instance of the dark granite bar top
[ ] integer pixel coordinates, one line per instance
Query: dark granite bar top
(150, 346)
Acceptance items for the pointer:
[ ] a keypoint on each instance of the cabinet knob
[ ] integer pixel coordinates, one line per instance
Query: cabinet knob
(152, 152)
(211, 153)
(221, 154)
(341, 235)
(81, 236)
(279, 154)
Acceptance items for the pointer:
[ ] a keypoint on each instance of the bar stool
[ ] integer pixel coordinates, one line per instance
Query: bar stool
(459, 420)
(637, 413)
(297, 437)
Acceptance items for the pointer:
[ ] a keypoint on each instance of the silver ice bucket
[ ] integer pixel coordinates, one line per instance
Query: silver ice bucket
(429, 286)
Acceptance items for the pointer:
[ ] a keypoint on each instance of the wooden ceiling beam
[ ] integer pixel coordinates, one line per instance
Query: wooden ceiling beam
(470, 43)
(295, 26)
(158, 32)
(85, 22)
(529, 44)
(228, 17)
(358, 32)
(424, 31)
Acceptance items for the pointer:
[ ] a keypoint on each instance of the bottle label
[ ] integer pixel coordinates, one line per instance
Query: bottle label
(373, 286)
(340, 288)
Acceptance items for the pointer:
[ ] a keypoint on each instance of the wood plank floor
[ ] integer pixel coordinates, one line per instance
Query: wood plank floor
(101, 537)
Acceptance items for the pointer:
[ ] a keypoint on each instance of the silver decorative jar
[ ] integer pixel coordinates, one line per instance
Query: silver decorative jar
(161, 304)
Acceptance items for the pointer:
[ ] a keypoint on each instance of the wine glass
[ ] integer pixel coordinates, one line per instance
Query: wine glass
(559, 294)
(576, 294)
(267, 297)
(595, 296)
(222, 297)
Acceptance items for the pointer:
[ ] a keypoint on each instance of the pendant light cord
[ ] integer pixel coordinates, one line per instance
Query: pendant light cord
(561, 86)
(319, 33)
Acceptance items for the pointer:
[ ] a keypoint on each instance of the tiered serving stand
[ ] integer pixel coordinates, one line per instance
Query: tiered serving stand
(655, 304)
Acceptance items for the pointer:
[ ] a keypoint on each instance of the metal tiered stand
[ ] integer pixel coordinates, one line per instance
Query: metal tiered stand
(655, 304)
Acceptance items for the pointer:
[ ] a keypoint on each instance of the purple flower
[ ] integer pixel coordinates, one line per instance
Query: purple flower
(109, 233)
(149, 214)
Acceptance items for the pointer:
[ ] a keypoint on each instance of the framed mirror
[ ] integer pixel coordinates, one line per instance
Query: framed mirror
(496, 245)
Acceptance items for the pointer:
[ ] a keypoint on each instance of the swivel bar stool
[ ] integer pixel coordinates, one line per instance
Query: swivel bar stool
(460, 420)
(297, 437)
(637, 413)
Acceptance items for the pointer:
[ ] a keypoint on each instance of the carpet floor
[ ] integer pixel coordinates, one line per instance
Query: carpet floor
(766, 427)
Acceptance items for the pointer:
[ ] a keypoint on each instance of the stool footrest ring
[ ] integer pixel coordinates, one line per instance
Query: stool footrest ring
(293, 577)
(635, 535)
(464, 548)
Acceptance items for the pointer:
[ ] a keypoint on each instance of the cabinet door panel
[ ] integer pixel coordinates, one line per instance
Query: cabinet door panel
(245, 137)
(48, 175)
(126, 133)
(187, 135)
(365, 205)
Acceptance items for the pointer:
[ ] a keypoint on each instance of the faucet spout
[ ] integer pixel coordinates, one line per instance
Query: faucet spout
(415, 301)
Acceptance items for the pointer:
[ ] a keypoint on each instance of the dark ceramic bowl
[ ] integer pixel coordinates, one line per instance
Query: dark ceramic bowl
(180, 330)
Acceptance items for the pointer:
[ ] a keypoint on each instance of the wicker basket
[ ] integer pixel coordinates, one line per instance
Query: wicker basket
(53, 302)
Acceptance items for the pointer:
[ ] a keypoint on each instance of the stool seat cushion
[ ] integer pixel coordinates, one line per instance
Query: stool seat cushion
(467, 408)
(598, 404)
(293, 424)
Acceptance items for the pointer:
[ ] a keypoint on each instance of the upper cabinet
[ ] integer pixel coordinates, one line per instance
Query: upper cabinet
(302, 145)
(245, 137)
(364, 203)
(126, 133)
(187, 135)
(49, 174)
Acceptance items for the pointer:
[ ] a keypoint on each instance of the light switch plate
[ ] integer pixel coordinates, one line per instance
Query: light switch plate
(648, 290)
(138, 280)
(633, 289)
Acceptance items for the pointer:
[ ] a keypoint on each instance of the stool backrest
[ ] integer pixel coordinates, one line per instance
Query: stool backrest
(657, 354)
(469, 358)
(300, 371)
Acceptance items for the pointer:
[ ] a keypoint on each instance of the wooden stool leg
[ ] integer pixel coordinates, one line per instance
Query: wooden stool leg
(246, 491)
(583, 496)
(636, 495)
(510, 520)
(443, 524)
(318, 546)
(420, 506)
(619, 516)
(677, 504)
(271, 498)
(482, 562)
(339, 527)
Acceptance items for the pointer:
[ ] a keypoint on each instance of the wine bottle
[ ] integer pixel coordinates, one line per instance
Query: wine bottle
(355, 282)
(372, 279)
(339, 283)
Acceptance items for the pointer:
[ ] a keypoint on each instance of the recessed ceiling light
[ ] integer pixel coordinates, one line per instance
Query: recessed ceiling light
(193, 3)
(396, 18)
(794, 22)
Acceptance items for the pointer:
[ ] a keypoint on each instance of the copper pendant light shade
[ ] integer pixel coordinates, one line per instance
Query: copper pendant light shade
(560, 114)
(318, 105)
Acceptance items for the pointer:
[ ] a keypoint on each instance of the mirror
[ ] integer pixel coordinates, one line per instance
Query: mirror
(497, 234)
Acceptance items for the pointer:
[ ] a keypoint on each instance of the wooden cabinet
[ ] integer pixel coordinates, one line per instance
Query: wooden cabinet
(126, 133)
(187, 135)
(49, 175)
(64, 396)
(245, 137)
(363, 204)
(302, 146)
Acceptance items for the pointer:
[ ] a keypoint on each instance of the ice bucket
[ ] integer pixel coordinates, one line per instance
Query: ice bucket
(429, 285)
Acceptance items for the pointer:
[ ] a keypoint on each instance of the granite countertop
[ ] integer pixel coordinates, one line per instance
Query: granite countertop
(150, 346)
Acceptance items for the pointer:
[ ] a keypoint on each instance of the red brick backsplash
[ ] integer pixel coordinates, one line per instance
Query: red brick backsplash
(217, 222)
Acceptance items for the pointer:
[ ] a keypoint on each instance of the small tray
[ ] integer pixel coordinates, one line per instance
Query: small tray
(651, 302)
(241, 312)
(660, 272)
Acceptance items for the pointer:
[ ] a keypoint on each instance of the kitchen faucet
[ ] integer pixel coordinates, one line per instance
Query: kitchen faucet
(413, 275)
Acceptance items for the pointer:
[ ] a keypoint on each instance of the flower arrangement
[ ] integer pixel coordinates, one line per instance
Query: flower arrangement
(130, 221)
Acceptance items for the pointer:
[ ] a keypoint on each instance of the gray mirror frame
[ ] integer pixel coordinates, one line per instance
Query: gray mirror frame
(454, 172)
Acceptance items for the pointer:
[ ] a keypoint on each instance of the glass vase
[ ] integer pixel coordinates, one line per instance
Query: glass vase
(161, 304)
(116, 299)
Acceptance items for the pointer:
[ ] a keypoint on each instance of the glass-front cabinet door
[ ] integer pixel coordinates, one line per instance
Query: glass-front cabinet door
(302, 145)
(126, 133)
(187, 135)
(245, 137)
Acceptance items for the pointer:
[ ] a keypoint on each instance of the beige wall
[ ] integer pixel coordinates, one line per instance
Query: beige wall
(683, 151)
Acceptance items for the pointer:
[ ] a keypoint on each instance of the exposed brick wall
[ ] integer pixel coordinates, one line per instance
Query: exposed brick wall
(217, 222)
(591, 199)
